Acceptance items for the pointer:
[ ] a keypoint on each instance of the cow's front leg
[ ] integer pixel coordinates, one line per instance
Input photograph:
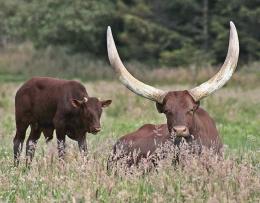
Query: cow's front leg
(83, 145)
(59, 125)
(61, 143)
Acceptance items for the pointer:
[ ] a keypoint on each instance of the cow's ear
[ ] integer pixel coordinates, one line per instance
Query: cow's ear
(159, 107)
(76, 103)
(105, 103)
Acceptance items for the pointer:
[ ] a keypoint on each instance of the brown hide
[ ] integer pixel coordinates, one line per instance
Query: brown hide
(47, 104)
(146, 139)
(182, 112)
(143, 141)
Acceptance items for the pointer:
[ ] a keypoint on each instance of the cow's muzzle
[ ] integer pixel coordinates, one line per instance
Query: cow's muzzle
(95, 130)
(180, 131)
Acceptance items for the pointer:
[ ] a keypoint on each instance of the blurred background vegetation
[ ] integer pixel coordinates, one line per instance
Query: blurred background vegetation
(162, 42)
(68, 38)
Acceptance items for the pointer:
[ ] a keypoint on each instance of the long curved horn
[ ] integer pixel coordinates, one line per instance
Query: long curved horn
(226, 71)
(126, 78)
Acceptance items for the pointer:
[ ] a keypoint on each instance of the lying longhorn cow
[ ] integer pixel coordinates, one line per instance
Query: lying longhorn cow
(184, 116)
(47, 104)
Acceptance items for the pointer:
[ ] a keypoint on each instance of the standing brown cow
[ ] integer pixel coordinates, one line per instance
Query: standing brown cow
(184, 116)
(47, 104)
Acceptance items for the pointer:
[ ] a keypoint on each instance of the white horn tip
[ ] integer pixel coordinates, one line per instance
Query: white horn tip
(111, 47)
(109, 30)
(109, 36)
(232, 25)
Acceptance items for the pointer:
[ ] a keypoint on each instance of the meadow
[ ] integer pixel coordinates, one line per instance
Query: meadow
(234, 178)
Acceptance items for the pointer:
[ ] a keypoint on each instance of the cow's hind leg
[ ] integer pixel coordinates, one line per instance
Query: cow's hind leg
(18, 141)
(31, 143)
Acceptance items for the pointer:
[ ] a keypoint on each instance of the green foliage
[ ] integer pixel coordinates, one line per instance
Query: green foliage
(77, 23)
(155, 38)
(245, 14)
(171, 33)
(178, 57)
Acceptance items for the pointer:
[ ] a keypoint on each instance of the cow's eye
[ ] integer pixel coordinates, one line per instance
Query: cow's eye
(191, 110)
(166, 111)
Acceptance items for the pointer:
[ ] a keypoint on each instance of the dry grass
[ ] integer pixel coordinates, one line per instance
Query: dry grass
(234, 178)
(19, 62)
(205, 178)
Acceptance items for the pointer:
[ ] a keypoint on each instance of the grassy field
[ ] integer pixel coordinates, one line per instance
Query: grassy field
(236, 178)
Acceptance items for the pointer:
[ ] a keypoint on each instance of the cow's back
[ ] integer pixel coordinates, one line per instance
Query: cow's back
(146, 139)
(39, 98)
(207, 132)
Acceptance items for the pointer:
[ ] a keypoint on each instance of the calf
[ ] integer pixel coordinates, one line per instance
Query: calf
(46, 104)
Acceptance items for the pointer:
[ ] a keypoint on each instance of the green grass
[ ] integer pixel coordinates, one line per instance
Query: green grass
(236, 178)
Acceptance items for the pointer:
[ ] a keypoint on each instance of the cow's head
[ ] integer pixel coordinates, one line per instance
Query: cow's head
(90, 110)
(178, 106)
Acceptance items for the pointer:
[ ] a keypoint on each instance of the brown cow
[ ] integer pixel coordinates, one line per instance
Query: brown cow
(151, 142)
(47, 104)
(142, 143)
(184, 116)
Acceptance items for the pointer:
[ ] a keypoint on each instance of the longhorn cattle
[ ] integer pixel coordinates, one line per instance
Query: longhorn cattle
(185, 117)
(47, 104)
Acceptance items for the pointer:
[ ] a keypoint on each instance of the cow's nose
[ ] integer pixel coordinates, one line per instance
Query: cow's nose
(181, 130)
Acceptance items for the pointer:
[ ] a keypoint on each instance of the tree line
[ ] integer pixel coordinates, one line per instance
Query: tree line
(168, 32)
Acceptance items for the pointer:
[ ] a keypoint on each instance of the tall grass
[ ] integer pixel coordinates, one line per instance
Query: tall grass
(234, 178)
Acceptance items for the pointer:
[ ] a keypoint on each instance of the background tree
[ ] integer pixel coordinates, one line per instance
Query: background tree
(169, 32)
